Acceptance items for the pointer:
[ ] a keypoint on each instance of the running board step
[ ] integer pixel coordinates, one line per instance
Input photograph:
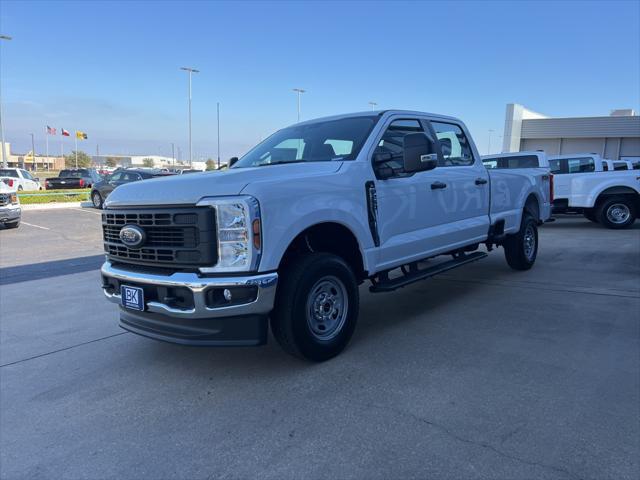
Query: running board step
(415, 275)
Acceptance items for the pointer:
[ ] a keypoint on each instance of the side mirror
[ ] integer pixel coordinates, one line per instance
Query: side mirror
(419, 153)
(233, 161)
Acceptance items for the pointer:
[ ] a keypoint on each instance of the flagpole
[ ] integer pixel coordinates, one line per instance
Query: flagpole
(46, 136)
(76, 150)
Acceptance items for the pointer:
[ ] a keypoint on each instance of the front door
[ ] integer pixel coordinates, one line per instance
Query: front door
(411, 207)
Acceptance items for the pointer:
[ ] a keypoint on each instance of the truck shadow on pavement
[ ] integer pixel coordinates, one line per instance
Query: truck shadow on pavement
(55, 268)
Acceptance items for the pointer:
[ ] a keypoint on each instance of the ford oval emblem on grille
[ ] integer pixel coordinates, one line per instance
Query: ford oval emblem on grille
(132, 236)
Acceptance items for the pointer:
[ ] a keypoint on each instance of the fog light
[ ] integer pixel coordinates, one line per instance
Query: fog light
(227, 294)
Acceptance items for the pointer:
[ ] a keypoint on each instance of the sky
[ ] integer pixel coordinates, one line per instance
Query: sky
(112, 69)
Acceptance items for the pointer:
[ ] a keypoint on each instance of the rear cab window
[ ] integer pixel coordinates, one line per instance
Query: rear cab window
(520, 161)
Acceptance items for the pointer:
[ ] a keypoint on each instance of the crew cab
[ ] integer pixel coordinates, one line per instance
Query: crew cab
(19, 179)
(73, 178)
(285, 236)
(582, 185)
(10, 210)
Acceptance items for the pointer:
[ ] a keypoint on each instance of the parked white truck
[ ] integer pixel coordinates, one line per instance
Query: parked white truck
(584, 183)
(289, 232)
(10, 210)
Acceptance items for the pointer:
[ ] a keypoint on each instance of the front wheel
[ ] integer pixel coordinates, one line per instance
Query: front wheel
(96, 198)
(521, 248)
(316, 307)
(616, 212)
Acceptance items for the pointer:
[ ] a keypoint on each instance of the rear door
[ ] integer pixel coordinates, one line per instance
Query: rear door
(465, 198)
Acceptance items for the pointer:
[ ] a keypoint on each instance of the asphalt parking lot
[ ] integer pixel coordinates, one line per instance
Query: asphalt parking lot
(479, 373)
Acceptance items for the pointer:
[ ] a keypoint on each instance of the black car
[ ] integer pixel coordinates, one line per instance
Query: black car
(73, 178)
(101, 190)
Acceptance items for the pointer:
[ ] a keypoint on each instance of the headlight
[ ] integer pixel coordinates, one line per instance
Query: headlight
(238, 231)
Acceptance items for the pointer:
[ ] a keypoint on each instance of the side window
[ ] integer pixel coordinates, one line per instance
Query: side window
(392, 141)
(26, 175)
(554, 166)
(580, 165)
(456, 151)
(131, 177)
(116, 177)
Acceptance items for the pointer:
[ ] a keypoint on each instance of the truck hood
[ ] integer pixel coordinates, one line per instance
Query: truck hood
(188, 189)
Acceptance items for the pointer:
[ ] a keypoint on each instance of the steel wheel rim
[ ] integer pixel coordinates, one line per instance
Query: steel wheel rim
(529, 242)
(327, 307)
(96, 199)
(618, 213)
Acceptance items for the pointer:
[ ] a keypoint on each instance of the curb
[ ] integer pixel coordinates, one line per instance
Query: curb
(53, 205)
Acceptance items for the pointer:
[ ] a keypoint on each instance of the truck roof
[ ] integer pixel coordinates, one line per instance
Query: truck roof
(379, 113)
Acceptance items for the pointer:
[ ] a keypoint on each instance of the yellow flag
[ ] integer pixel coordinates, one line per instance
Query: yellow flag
(81, 135)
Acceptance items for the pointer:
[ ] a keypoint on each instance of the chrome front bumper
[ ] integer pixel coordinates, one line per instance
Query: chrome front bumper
(262, 305)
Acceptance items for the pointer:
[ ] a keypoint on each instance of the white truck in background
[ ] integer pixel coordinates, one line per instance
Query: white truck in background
(10, 210)
(587, 184)
(285, 236)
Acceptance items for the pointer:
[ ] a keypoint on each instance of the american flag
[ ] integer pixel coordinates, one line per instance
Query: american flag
(51, 131)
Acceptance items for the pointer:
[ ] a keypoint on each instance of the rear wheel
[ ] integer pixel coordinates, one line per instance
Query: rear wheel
(316, 307)
(96, 198)
(521, 248)
(616, 212)
(20, 188)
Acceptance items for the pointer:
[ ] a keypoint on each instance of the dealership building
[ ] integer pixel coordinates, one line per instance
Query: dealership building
(616, 136)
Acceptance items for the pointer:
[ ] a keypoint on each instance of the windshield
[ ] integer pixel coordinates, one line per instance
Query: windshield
(74, 173)
(312, 142)
(9, 173)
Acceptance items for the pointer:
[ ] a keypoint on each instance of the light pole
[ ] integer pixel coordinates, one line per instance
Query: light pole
(191, 71)
(218, 116)
(4, 147)
(33, 152)
(173, 153)
(299, 91)
(489, 146)
(373, 105)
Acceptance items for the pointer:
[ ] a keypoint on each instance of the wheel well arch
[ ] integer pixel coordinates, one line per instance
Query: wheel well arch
(327, 237)
(616, 190)
(532, 205)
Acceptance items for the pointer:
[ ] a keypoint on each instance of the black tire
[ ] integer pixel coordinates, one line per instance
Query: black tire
(590, 214)
(616, 212)
(12, 224)
(20, 188)
(301, 287)
(521, 248)
(97, 200)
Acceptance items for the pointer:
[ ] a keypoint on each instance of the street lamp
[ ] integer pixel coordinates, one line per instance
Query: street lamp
(4, 147)
(373, 105)
(191, 71)
(299, 91)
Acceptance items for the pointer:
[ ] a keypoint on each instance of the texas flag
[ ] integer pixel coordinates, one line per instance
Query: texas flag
(65, 133)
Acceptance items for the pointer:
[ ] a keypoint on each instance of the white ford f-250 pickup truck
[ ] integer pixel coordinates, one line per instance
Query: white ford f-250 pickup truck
(584, 184)
(288, 233)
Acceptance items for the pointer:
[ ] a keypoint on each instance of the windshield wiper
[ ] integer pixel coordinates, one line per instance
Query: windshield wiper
(282, 162)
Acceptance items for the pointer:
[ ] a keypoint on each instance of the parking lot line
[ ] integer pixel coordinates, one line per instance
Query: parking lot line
(35, 226)
(88, 211)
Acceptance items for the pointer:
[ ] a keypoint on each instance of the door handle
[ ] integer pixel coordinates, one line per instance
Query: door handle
(481, 181)
(438, 185)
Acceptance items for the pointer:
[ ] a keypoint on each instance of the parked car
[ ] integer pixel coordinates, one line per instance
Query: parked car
(103, 188)
(290, 231)
(10, 210)
(19, 179)
(73, 178)
(581, 185)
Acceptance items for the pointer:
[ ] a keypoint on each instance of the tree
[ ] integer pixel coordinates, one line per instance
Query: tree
(84, 160)
(210, 165)
(147, 162)
(111, 161)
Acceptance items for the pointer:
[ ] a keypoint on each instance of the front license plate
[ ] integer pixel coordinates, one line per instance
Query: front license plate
(132, 297)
